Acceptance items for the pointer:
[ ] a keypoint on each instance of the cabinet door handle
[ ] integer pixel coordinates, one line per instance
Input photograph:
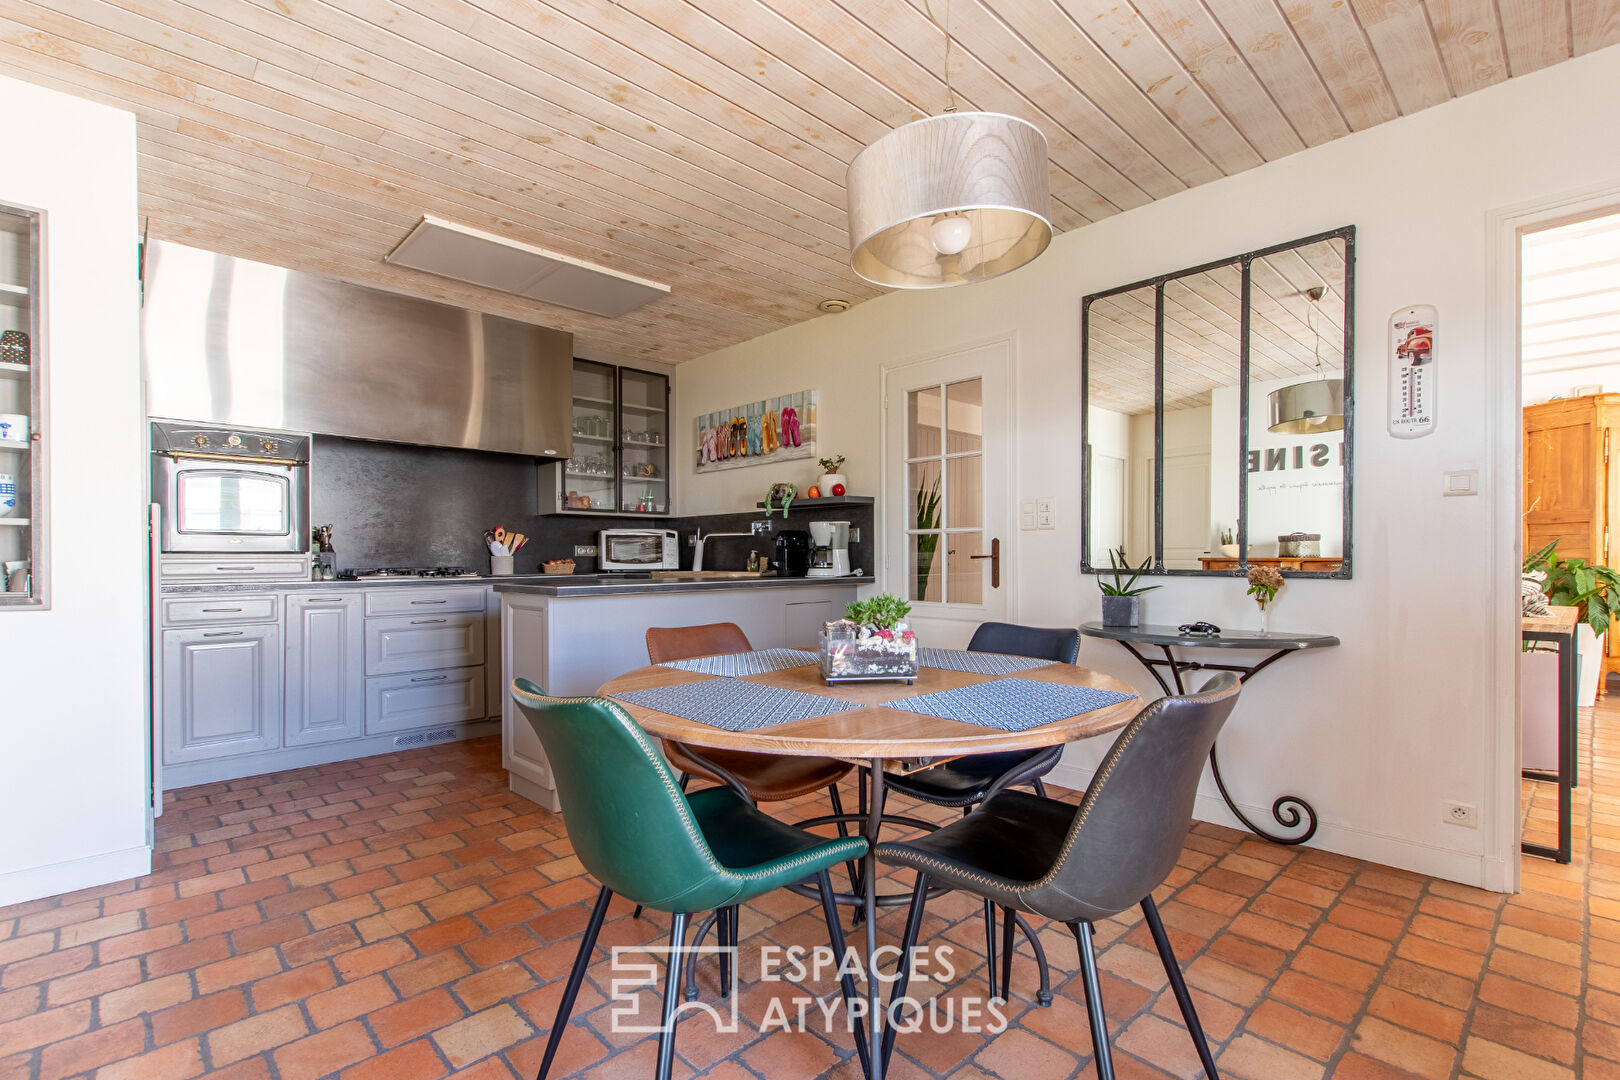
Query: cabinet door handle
(224, 633)
(323, 599)
(236, 568)
(429, 678)
(419, 622)
(430, 601)
(219, 610)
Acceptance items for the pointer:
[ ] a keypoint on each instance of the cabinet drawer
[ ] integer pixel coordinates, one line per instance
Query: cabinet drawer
(229, 608)
(423, 642)
(403, 702)
(228, 568)
(402, 600)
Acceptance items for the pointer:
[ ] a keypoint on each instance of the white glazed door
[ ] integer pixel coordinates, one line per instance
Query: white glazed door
(948, 490)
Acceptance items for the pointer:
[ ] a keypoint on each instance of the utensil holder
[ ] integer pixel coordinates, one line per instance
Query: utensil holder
(500, 565)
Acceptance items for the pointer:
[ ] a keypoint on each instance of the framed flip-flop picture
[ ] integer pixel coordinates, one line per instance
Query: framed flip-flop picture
(759, 433)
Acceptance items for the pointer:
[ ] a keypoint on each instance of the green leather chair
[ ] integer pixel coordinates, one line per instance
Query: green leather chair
(641, 837)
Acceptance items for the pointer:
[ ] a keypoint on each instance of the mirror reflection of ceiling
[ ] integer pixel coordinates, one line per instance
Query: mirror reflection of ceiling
(1202, 318)
(1570, 296)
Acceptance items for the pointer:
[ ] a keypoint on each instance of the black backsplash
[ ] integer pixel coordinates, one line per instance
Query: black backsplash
(393, 505)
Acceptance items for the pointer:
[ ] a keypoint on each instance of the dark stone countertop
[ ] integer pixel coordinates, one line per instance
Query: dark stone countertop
(600, 585)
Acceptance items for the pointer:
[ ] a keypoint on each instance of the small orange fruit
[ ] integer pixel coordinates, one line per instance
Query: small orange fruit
(814, 492)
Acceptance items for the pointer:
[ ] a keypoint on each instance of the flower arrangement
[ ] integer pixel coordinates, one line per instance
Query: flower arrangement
(1264, 581)
(871, 641)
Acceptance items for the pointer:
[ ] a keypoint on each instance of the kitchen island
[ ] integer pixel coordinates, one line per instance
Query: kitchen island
(570, 635)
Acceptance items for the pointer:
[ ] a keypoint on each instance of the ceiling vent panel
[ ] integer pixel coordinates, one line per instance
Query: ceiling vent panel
(480, 258)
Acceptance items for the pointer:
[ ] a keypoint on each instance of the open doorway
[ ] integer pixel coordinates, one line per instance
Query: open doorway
(1569, 356)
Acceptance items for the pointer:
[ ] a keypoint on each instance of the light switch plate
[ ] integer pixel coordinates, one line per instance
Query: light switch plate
(1026, 514)
(1461, 482)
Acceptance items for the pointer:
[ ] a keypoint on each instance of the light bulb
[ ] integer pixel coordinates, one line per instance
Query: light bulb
(950, 234)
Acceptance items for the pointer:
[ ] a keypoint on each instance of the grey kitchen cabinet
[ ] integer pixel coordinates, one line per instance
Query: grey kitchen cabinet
(402, 702)
(221, 691)
(404, 643)
(326, 660)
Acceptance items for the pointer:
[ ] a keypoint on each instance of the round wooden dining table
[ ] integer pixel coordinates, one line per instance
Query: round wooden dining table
(882, 734)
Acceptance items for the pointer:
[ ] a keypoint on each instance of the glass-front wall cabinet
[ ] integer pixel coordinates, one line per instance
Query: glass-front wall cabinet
(621, 445)
(22, 468)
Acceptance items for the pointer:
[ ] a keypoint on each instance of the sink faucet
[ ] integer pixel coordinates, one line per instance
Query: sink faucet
(702, 538)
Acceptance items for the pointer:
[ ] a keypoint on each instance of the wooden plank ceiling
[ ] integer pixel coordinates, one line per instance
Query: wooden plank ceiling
(1570, 299)
(704, 143)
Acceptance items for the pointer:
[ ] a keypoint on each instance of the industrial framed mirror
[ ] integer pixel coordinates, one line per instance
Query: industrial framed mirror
(1217, 414)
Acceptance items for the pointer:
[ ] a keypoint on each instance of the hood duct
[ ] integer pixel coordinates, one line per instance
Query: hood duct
(243, 343)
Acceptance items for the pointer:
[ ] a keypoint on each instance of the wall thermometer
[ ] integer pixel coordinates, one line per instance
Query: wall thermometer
(1412, 374)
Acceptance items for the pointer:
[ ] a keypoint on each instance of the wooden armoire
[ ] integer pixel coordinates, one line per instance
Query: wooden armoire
(1572, 483)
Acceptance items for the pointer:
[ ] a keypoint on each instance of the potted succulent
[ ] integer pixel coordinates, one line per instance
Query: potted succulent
(871, 641)
(1122, 597)
(832, 479)
(1593, 590)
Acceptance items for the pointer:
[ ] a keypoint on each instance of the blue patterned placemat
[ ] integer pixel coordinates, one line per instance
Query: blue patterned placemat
(977, 663)
(735, 705)
(1010, 704)
(748, 663)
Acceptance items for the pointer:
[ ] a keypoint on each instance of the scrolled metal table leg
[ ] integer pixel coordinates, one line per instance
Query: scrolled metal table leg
(1288, 810)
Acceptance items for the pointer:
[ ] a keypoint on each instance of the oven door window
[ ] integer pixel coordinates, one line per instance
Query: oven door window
(226, 501)
(636, 550)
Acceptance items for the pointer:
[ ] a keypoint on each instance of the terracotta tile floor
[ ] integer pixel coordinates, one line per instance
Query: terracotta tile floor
(406, 917)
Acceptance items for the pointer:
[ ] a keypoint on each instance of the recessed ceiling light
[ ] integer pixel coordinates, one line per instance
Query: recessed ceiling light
(833, 306)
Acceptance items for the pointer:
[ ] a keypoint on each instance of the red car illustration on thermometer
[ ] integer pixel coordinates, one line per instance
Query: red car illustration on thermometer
(1418, 347)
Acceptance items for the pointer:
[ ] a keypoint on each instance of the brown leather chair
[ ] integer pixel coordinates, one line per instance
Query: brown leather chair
(763, 777)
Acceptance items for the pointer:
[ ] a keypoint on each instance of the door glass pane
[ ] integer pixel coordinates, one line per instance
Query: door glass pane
(922, 422)
(966, 575)
(964, 416)
(965, 484)
(232, 502)
(925, 573)
(925, 495)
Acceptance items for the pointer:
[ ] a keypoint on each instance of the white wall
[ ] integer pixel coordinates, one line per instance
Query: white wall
(73, 739)
(1380, 730)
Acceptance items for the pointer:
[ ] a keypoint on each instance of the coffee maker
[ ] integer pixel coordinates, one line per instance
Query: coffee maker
(792, 553)
(829, 556)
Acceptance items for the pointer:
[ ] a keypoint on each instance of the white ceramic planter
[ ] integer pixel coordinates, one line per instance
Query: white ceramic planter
(1590, 649)
(828, 480)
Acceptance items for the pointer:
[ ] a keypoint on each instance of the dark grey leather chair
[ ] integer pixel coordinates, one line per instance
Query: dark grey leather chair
(1078, 864)
(968, 781)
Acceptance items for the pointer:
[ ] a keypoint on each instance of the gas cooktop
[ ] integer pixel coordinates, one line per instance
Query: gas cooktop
(406, 573)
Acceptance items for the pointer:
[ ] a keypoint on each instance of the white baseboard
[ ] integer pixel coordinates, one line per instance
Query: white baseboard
(1396, 851)
(65, 877)
(535, 793)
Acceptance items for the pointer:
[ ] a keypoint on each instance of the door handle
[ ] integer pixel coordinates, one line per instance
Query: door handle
(429, 601)
(224, 633)
(995, 562)
(420, 622)
(220, 610)
(430, 678)
(323, 600)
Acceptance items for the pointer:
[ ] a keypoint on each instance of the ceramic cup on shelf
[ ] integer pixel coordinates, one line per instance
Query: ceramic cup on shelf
(8, 494)
(13, 427)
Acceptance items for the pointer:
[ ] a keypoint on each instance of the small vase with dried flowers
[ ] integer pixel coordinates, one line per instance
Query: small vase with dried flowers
(1264, 581)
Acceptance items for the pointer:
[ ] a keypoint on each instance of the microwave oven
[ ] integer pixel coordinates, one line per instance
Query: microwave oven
(637, 549)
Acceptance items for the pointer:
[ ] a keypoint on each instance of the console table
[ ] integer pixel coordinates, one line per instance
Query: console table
(1290, 811)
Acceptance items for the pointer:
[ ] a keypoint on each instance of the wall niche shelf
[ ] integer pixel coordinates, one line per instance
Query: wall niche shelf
(23, 542)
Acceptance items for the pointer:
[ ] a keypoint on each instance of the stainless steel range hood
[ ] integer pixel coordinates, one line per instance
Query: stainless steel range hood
(245, 343)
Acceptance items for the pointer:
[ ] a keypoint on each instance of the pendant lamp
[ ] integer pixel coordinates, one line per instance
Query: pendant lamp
(1313, 406)
(948, 200)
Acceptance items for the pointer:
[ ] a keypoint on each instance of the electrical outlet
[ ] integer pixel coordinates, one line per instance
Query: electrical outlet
(854, 536)
(581, 550)
(1043, 513)
(1459, 813)
(759, 528)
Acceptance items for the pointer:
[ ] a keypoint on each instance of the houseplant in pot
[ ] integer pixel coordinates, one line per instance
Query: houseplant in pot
(1593, 590)
(832, 477)
(1122, 597)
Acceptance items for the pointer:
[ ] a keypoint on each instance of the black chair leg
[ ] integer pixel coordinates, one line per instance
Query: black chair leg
(843, 830)
(1040, 788)
(689, 960)
(1172, 971)
(672, 985)
(908, 942)
(576, 975)
(990, 951)
(1094, 1004)
(846, 981)
(1008, 926)
(726, 942)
